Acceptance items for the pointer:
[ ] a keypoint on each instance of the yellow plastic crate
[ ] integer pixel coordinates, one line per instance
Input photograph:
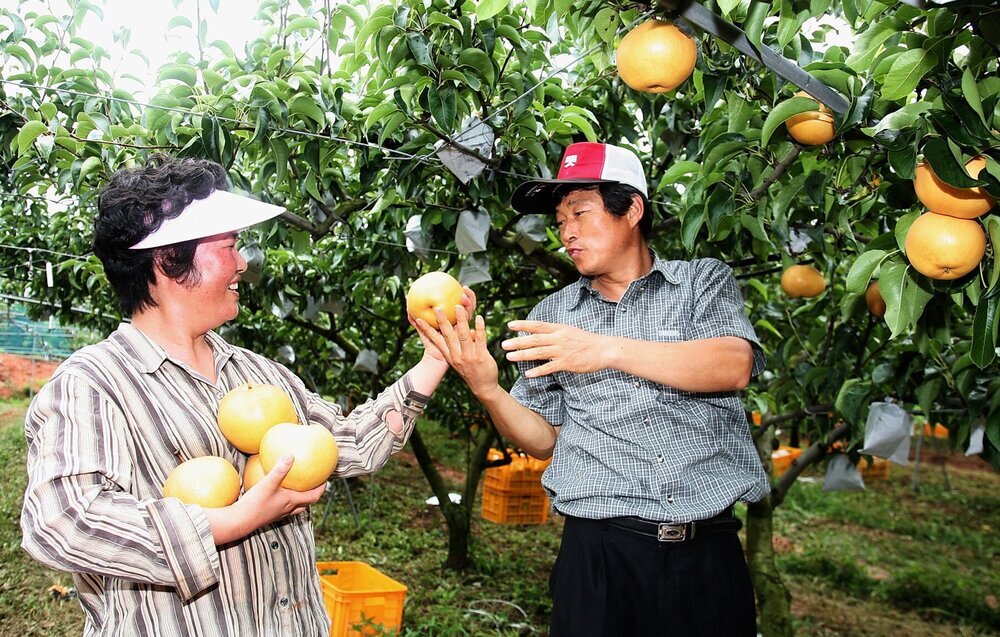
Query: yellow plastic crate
(523, 474)
(782, 458)
(513, 507)
(878, 469)
(355, 593)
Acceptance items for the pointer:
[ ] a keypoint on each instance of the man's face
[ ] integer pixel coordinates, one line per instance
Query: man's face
(594, 238)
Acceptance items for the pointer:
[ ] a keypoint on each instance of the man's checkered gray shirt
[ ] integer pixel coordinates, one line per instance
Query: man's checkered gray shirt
(628, 446)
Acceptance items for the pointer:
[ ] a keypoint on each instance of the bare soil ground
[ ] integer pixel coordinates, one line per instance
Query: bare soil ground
(19, 373)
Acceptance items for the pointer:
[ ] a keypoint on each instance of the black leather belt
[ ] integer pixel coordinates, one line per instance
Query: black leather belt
(725, 522)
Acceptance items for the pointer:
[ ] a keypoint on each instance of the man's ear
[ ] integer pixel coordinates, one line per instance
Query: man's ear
(635, 211)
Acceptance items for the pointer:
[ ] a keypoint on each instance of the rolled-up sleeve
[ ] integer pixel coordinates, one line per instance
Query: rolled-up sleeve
(78, 513)
(718, 308)
(364, 440)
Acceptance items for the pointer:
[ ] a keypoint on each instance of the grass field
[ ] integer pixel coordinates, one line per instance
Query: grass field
(886, 561)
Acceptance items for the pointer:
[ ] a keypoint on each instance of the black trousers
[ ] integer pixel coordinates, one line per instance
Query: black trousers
(611, 582)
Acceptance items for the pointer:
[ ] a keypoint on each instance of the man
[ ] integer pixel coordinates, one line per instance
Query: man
(118, 416)
(629, 379)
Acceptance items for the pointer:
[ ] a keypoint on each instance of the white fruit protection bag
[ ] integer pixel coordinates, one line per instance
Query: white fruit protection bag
(887, 432)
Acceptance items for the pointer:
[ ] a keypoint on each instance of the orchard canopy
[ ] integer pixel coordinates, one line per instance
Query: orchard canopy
(395, 132)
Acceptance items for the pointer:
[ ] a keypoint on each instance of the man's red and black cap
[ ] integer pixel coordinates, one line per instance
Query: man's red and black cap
(583, 163)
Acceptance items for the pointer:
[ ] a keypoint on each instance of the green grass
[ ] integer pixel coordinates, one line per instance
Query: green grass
(27, 608)
(932, 554)
(886, 561)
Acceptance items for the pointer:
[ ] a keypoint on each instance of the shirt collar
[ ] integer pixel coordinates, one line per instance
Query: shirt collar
(148, 355)
(669, 270)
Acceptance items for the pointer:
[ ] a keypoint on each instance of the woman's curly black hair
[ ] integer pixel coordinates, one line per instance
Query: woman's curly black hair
(133, 204)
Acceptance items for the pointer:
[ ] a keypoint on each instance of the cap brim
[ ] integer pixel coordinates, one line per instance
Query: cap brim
(538, 195)
(220, 212)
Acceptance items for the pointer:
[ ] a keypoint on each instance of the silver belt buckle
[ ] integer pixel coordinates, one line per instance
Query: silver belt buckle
(666, 532)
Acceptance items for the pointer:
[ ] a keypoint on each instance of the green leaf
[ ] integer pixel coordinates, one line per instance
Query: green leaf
(862, 270)
(302, 23)
(727, 6)
(20, 53)
(942, 160)
(178, 21)
(391, 125)
(993, 230)
(903, 226)
(852, 400)
(906, 72)
(984, 331)
(311, 188)
(562, 6)
(722, 153)
(767, 325)
(260, 128)
(90, 164)
(420, 48)
(970, 90)
(279, 148)
(868, 43)
(718, 206)
(305, 105)
(899, 119)
(439, 18)
(443, 103)
(694, 218)
(369, 29)
(489, 8)
(575, 120)
(927, 393)
(754, 225)
(180, 72)
(534, 149)
(27, 135)
(481, 62)
(890, 286)
(605, 24)
(679, 168)
(782, 112)
(379, 113)
(754, 24)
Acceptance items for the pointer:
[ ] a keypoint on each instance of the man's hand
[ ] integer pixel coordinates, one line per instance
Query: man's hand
(566, 348)
(464, 349)
(430, 348)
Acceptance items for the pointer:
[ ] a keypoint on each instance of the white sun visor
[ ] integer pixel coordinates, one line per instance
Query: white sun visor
(219, 212)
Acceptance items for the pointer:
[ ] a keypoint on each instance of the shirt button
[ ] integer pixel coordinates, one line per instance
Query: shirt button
(670, 499)
(219, 395)
(660, 458)
(638, 384)
(274, 545)
(283, 602)
(624, 310)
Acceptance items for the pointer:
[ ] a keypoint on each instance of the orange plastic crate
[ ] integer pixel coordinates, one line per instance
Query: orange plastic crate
(878, 469)
(523, 475)
(355, 593)
(512, 507)
(782, 458)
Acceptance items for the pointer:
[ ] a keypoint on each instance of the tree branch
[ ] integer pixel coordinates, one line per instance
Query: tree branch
(776, 174)
(350, 348)
(810, 456)
(553, 264)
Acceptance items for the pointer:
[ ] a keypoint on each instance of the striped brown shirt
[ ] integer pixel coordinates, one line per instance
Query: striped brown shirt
(104, 434)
